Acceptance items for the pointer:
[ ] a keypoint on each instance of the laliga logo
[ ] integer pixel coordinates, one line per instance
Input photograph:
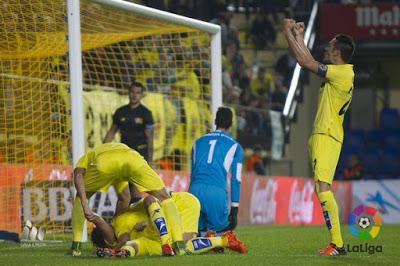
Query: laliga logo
(365, 222)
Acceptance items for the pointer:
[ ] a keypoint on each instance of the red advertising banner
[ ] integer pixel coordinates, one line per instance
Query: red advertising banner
(45, 197)
(362, 21)
(287, 201)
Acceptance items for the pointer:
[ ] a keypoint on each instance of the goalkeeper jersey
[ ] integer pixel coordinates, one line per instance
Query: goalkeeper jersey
(213, 155)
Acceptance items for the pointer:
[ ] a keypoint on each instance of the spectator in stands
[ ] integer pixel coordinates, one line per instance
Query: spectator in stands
(233, 37)
(255, 162)
(261, 87)
(231, 93)
(262, 31)
(222, 21)
(355, 171)
(284, 67)
(233, 59)
(243, 78)
(278, 98)
(187, 81)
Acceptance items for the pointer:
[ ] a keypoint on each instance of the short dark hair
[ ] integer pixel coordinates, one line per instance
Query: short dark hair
(345, 44)
(138, 85)
(224, 118)
(97, 238)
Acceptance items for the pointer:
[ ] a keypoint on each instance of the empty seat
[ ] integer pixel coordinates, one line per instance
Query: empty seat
(390, 118)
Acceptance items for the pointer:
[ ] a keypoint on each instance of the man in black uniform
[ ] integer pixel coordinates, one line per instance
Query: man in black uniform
(135, 122)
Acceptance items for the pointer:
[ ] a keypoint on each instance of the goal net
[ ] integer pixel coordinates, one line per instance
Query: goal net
(119, 46)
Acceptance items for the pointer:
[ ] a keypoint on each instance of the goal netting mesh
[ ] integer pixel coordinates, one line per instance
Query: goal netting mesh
(118, 47)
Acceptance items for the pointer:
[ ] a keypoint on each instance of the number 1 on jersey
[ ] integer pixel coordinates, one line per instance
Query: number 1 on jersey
(211, 151)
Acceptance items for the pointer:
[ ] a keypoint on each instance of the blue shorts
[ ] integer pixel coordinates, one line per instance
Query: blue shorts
(214, 207)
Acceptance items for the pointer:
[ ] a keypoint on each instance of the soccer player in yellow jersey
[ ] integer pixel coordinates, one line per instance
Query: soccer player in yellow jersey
(132, 234)
(327, 136)
(117, 164)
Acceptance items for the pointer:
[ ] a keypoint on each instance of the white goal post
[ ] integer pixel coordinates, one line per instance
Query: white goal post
(75, 59)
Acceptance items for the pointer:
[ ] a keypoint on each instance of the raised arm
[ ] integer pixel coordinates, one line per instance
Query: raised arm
(294, 35)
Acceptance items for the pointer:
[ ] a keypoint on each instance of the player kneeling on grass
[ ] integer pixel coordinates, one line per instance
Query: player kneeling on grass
(132, 233)
(117, 164)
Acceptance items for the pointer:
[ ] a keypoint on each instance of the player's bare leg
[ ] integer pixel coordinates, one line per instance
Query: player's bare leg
(331, 216)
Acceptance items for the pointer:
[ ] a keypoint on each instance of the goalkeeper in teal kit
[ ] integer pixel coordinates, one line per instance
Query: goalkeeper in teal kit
(213, 155)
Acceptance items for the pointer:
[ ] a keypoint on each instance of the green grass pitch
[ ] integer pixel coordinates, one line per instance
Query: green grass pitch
(267, 245)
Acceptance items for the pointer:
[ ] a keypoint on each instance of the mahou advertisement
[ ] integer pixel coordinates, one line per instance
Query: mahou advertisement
(362, 21)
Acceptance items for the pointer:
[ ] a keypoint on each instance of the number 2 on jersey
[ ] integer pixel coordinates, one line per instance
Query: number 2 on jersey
(211, 151)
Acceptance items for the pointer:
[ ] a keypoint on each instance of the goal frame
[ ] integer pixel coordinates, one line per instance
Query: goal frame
(75, 59)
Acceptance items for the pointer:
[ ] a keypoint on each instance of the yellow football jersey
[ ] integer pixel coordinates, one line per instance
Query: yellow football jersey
(188, 207)
(334, 99)
(125, 223)
(109, 164)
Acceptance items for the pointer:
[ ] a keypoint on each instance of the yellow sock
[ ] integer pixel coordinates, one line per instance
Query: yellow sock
(174, 219)
(157, 216)
(331, 216)
(78, 220)
(203, 244)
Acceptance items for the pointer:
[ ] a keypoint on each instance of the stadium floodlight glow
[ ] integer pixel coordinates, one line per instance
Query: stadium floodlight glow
(296, 73)
(292, 90)
(312, 40)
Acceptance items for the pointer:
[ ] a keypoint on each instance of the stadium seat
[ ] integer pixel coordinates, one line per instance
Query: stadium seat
(371, 162)
(390, 163)
(355, 139)
(374, 138)
(392, 142)
(390, 118)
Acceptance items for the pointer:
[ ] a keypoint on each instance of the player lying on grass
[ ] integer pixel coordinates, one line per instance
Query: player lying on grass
(132, 233)
(117, 164)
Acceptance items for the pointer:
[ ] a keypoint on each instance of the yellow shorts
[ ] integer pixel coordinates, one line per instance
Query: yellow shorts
(148, 247)
(146, 179)
(111, 167)
(118, 185)
(324, 155)
(189, 209)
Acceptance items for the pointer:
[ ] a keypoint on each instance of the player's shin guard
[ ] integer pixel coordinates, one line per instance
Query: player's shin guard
(202, 244)
(157, 216)
(331, 216)
(174, 219)
(78, 220)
